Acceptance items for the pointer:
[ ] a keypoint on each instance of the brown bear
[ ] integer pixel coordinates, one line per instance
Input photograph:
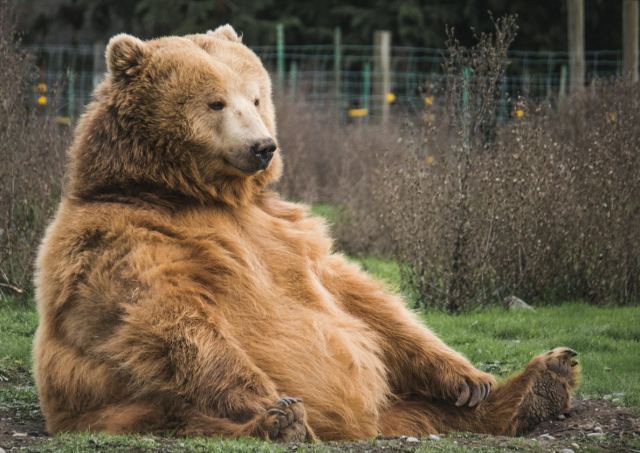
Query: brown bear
(177, 294)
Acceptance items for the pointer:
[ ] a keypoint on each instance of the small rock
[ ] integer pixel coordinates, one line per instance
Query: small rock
(434, 437)
(596, 434)
(412, 439)
(566, 450)
(597, 429)
(546, 436)
(2, 450)
(16, 434)
(575, 445)
(514, 303)
(561, 417)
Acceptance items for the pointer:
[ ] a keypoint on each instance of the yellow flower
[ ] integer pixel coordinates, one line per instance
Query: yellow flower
(42, 100)
(357, 113)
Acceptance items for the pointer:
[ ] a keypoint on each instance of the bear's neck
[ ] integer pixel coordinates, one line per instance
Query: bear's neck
(107, 162)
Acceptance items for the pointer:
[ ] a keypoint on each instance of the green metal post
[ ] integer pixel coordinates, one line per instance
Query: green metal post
(549, 74)
(366, 86)
(337, 63)
(280, 52)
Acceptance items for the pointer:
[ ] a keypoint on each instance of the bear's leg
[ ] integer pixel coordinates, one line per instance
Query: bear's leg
(285, 421)
(540, 391)
(407, 418)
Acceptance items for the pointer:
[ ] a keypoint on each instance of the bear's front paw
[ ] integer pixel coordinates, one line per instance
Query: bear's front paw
(470, 387)
(286, 421)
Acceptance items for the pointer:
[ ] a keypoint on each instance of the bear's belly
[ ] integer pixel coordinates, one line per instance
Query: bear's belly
(327, 357)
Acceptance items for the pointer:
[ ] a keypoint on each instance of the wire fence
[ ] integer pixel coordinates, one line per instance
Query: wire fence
(341, 76)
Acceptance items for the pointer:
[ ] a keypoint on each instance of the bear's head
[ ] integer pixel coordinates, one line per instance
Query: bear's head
(189, 116)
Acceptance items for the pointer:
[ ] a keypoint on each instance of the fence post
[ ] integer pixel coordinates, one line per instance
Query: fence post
(503, 112)
(71, 94)
(337, 63)
(382, 68)
(562, 91)
(630, 38)
(366, 87)
(549, 74)
(575, 10)
(280, 53)
(98, 63)
(293, 78)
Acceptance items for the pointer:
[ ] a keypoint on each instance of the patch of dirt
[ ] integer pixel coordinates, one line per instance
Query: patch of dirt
(15, 435)
(593, 425)
(590, 417)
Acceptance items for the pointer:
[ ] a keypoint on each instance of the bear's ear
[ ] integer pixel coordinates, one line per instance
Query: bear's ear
(225, 32)
(125, 54)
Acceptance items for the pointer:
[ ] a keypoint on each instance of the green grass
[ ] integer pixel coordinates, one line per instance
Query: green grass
(332, 214)
(67, 443)
(607, 340)
(17, 326)
(386, 270)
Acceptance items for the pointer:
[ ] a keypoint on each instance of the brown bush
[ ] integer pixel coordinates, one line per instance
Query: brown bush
(32, 153)
(545, 207)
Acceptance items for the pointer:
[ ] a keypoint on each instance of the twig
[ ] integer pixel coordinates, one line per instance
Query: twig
(12, 287)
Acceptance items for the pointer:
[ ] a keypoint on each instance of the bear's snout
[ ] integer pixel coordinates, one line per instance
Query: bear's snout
(263, 151)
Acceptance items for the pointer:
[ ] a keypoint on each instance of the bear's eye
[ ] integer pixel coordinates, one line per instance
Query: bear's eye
(218, 105)
(256, 102)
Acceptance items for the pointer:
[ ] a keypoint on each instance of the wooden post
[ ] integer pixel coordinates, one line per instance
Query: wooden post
(337, 63)
(382, 70)
(575, 33)
(630, 38)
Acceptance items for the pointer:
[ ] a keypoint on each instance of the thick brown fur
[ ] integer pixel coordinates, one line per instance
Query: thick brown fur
(176, 293)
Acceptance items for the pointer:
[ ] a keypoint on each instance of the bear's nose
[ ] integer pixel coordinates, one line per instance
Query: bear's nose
(263, 150)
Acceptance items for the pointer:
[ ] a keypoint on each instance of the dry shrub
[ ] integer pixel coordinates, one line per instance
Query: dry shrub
(326, 160)
(545, 207)
(32, 153)
(548, 211)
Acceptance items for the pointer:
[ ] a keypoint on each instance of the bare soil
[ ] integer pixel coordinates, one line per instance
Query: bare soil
(593, 425)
